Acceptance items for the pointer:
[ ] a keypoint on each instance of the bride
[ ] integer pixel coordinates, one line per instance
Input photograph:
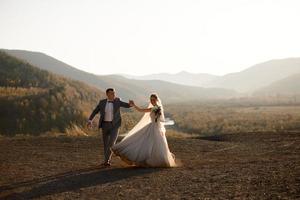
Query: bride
(146, 144)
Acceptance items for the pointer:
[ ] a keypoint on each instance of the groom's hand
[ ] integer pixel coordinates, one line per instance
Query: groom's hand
(131, 102)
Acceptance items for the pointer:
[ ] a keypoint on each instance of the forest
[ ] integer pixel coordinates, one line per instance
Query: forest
(34, 101)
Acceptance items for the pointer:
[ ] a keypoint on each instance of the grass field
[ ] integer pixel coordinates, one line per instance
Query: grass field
(213, 119)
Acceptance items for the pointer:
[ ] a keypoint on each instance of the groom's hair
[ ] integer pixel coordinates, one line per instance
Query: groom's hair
(109, 89)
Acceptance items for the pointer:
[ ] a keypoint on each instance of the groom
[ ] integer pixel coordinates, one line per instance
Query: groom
(110, 121)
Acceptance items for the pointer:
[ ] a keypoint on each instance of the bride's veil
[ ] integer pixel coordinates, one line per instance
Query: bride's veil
(162, 116)
(146, 119)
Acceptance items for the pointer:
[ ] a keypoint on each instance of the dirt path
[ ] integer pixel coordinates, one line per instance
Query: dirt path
(248, 165)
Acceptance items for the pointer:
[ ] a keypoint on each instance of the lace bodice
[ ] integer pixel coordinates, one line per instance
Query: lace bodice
(152, 115)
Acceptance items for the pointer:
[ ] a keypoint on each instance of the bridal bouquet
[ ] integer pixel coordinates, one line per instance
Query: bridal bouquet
(157, 112)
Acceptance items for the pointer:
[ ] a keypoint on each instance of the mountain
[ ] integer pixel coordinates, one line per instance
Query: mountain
(258, 76)
(288, 86)
(169, 92)
(33, 101)
(184, 78)
(138, 90)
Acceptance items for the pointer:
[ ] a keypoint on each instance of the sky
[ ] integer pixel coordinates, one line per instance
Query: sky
(144, 37)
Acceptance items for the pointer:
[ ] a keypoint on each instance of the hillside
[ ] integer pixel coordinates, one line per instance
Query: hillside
(286, 86)
(138, 90)
(33, 101)
(258, 76)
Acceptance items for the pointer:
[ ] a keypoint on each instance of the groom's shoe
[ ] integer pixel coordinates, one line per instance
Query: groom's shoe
(106, 164)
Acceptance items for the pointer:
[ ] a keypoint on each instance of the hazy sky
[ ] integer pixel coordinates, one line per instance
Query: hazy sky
(141, 37)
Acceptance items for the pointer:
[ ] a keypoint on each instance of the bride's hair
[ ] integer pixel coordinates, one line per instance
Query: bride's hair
(155, 96)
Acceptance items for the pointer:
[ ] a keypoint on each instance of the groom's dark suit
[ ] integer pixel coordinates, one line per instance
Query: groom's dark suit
(110, 130)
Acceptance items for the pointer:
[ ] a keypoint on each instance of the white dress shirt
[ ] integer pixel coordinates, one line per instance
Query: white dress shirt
(109, 111)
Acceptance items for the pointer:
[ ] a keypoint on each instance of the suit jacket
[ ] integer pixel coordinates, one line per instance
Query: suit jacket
(100, 108)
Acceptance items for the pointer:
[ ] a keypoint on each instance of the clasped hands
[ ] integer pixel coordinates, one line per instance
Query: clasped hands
(131, 103)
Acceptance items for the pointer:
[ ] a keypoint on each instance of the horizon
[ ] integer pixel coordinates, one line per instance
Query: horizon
(169, 73)
(140, 38)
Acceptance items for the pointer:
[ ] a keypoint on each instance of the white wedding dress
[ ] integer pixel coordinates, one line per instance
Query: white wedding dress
(146, 144)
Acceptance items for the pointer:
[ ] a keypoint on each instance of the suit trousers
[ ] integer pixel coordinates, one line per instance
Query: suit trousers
(110, 136)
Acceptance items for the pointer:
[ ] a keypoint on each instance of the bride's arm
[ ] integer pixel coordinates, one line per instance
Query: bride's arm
(141, 109)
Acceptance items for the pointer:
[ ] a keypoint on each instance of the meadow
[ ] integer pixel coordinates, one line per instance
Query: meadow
(210, 119)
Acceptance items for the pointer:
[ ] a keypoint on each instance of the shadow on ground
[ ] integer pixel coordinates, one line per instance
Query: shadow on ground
(74, 180)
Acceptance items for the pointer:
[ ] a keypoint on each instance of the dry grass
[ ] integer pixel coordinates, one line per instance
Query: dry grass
(176, 134)
(217, 119)
(75, 130)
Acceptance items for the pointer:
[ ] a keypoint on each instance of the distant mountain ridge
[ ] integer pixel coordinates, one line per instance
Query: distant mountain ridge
(127, 88)
(183, 77)
(258, 76)
(246, 81)
(173, 87)
(288, 86)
